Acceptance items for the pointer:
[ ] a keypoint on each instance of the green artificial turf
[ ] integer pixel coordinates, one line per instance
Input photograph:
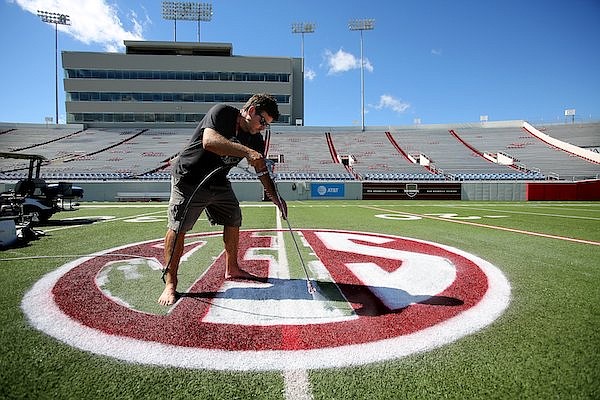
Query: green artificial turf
(545, 345)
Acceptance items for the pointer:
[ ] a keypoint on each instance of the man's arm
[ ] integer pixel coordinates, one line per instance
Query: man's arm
(216, 143)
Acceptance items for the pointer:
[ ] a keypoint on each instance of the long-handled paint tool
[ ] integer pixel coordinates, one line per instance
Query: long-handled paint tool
(309, 285)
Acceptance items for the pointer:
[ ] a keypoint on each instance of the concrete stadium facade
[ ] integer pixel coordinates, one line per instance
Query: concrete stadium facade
(174, 84)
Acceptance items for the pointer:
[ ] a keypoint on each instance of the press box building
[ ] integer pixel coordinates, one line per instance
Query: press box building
(174, 84)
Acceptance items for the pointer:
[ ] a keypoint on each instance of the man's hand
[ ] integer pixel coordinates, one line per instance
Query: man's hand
(256, 160)
(265, 178)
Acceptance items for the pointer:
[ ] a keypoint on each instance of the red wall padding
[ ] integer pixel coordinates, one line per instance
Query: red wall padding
(585, 190)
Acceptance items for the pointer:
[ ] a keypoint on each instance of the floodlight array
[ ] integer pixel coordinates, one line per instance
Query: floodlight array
(303, 27)
(365, 24)
(189, 11)
(54, 18)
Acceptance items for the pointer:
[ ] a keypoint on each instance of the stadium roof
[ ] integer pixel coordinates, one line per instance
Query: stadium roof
(178, 48)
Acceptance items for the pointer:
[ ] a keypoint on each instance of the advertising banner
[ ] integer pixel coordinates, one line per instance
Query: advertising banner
(327, 190)
(407, 191)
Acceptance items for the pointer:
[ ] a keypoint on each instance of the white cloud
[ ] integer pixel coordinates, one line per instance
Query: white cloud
(436, 52)
(389, 102)
(92, 21)
(342, 61)
(309, 74)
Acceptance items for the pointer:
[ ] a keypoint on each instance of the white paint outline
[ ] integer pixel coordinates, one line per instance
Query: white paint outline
(43, 313)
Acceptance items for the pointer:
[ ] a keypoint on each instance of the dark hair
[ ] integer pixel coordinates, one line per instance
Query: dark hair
(264, 102)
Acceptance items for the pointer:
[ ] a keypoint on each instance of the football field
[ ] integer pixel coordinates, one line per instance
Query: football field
(414, 300)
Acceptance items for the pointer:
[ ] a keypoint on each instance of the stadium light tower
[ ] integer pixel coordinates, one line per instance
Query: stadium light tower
(301, 27)
(361, 25)
(187, 11)
(56, 19)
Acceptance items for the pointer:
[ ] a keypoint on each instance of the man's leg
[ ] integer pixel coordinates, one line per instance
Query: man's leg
(173, 251)
(231, 238)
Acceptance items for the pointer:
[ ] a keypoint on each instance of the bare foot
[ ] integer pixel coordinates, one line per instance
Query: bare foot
(241, 274)
(168, 296)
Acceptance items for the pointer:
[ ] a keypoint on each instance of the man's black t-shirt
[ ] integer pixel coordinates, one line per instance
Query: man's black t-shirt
(194, 163)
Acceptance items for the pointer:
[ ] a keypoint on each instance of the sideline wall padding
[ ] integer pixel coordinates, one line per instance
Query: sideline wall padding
(301, 190)
(493, 191)
(548, 191)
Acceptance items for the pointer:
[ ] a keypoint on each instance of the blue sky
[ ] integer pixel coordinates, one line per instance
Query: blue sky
(438, 61)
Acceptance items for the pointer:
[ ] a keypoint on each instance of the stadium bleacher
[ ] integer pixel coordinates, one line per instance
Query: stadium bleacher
(415, 153)
(529, 153)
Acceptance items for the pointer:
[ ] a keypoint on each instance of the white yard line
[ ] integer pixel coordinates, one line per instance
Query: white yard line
(297, 386)
(500, 228)
(466, 206)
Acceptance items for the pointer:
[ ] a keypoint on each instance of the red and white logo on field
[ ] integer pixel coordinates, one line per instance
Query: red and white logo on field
(378, 297)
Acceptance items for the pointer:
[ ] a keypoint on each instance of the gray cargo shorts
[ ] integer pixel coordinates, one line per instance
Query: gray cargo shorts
(221, 205)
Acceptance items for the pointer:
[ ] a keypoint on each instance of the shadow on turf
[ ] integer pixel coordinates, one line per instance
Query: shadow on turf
(70, 222)
(362, 297)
